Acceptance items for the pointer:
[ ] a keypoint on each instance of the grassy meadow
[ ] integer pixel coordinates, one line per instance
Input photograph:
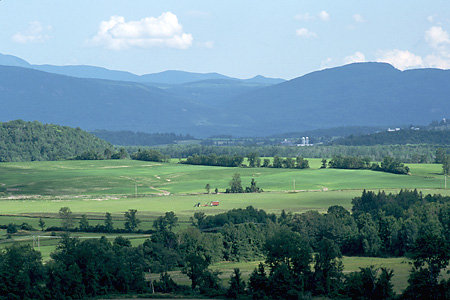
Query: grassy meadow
(95, 187)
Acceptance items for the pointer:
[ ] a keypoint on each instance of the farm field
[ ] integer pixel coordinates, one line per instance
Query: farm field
(37, 189)
(94, 187)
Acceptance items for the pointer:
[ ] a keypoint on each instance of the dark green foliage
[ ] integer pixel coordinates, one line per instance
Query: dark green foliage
(162, 252)
(253, 188)
(11, 228)
(389, 164)
(168, 221)
(392, 165)
(349, 162)
(65, 214)
(41, 224)
(214, 160)
(235, 184)
(237, 285)
(195, 268)
(165, 284)
(243, 242)
(94, 267)
(328, 268)
(405, 153)
(252, 158)
(369, 284)
(89, 155)
(234, 216)
(109, 225)
(289, 257)
(121, 154)
(150, 155)
(401, 137)
(258, 283)
(131, 220)
(22, 273)
(34, 141)
(83, 225)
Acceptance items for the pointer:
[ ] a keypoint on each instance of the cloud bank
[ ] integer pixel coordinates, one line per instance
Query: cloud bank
(35, 33)
(162, 31)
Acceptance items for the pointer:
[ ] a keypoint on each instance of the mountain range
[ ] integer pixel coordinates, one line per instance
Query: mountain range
(162, 78)
(360, 94)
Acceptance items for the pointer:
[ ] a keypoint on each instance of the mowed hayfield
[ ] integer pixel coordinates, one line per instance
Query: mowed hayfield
(96, 187)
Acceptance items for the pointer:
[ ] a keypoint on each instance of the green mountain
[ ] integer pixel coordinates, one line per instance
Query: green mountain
(34, 141)
(361, 94)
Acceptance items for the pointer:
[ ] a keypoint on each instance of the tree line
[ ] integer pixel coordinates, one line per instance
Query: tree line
(388, 164)
(253, 158)
(405, 153)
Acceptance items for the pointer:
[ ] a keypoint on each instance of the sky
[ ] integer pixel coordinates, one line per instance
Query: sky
(281, 39)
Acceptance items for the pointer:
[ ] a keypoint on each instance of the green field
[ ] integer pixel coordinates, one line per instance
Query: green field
(40, 189)
(95, 187)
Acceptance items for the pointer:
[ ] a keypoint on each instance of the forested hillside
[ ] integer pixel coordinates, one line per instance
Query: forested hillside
(32, 141)
(401, 137)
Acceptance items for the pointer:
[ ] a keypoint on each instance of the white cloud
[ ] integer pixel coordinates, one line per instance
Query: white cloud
(163, 31)
(437, 61)
(35, 33)
(327, 63)
(305, 33)
(430, 19)
(324, 16)
(400, 59)
(358, 18)
(436, 37)
(356, 57)
(305, 17)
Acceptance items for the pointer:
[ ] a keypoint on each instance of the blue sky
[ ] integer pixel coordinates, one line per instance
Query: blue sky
(285, 39)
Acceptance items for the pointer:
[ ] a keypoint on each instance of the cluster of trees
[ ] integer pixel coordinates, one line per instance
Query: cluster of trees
(289, 163)
(150, 155)
(77, 270)
(34, 141)
(69, 223)
(389, 164)
(130, 138)
(214, 160)
(107, 154)
(236, 186)
(253, 158)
